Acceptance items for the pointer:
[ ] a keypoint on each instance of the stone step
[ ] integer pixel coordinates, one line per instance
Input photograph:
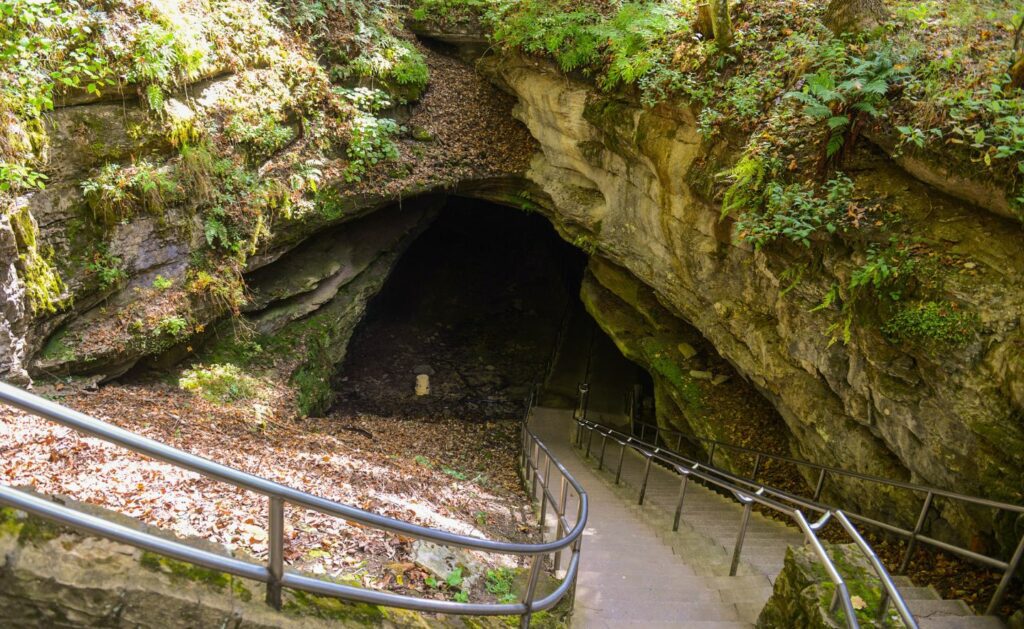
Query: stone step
(960, 622)
(692, 624)
(682, 613)
(915, 593)
(681, 577)
(938, 607)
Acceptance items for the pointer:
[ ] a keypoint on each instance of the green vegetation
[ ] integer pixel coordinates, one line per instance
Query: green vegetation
(501, 583)
(116, 192)
(664, 360)
(106, 268)
(393, 61)
(845, 102)
(50, 48)
(162, 283)
(796, 211)
(190, 572)
(617, 49)
(448, 11)
(310, 605)
(370, 144)
(933, 325)
(219, 383)
(371, 137)
(173, 326)
(43, 285)
(223, 289)
(263, 135)
(28, 529)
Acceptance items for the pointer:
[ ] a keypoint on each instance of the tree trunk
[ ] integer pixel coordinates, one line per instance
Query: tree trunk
(705, 24)
(721, 23)
(847, 16)
(1017, 73)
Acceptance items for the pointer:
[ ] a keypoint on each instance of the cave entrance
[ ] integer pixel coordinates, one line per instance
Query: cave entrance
(477, 304)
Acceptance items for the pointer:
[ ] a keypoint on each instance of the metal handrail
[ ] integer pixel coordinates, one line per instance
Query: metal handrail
(838, 471)
(748, 494)
(273, 573)
(913, 536)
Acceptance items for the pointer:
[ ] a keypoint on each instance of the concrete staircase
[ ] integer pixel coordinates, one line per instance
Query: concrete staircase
(637, 572)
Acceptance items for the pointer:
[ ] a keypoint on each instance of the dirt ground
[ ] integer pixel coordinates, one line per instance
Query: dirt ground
(452, 475)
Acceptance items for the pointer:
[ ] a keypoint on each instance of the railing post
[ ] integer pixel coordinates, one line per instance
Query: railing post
(647, 473)
(883, 607)
(917, 530)
(679, 443)
(618, 470)
(679, 502)
(544, 494)
(582, 401)
(563, 495)
(275, 545)
(535, 467)
(711, 455)
(575, 577)
(820, 485)
(531, 586)
(1011, 569)
(600, 460)
(739, 538)
(590, 440)
(525, 443)
(757, 468)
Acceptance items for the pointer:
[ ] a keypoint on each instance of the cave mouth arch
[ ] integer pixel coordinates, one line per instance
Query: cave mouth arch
(477, 303)
(489, 300)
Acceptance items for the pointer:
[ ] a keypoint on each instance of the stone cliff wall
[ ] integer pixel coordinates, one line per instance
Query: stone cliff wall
(617, 179)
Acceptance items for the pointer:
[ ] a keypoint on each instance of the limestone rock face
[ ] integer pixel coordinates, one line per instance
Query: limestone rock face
(803, 592)
(618, 181)
(13, 321)
(56, 578)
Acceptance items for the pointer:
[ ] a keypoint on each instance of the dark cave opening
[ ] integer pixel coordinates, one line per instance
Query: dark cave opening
(476, 304)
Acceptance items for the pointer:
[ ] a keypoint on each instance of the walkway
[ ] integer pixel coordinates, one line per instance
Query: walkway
(634, 572)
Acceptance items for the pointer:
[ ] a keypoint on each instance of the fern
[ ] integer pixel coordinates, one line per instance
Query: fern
(862, 92)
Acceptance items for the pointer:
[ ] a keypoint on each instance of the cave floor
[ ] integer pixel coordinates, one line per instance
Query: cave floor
(475, 304)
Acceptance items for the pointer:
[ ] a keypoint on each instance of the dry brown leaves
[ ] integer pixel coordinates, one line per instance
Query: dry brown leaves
(448, 475)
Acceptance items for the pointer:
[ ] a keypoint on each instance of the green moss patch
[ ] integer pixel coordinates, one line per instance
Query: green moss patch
(220, 581)
(310, 605)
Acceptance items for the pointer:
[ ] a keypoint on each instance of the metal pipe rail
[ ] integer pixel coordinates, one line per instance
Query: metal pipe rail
(913, 536)
(748, 494)
(273, 573)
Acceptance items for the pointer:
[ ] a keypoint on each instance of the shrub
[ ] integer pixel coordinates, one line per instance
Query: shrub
(263, 135)
(619, 49)
(116, 192)
(932, 325)
(219, 383)
(796, 211)
(173, 326)
(223, 289)
(448, 11)
(860, 91)
(388, 59)
(371, 143)
(106, 268)
(162, 283)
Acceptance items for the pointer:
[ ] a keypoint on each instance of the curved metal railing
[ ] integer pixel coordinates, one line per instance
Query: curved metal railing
(568, 536)
(913, 536)
(748, 494)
